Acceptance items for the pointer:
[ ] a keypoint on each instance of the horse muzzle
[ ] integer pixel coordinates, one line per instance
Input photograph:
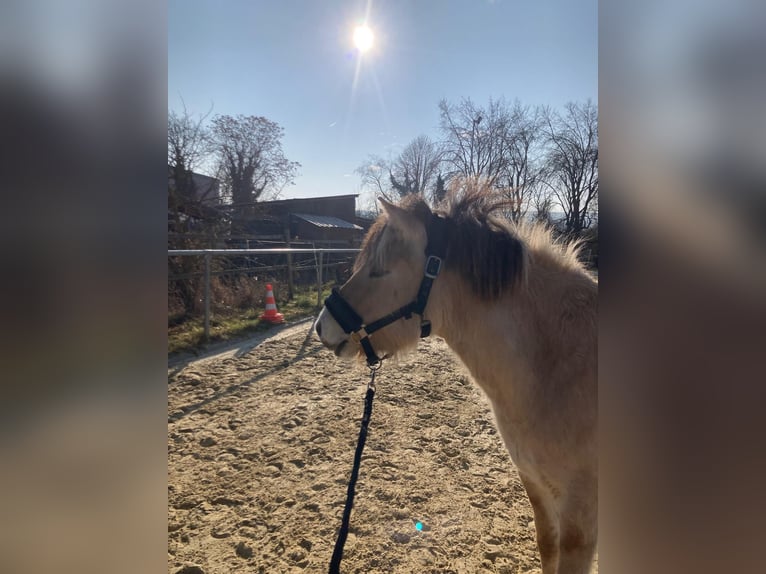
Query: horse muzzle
(329, 332)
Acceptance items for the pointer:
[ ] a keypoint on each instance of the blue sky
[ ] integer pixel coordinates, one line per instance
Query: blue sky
(294, 62)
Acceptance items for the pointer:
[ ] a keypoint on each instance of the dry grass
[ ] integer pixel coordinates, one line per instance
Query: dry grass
(231, 319)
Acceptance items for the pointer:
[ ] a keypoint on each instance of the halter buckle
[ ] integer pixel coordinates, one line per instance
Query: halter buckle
(359, 334)
(433, 266)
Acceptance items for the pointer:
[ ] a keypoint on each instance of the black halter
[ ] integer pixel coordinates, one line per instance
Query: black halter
(352, 324)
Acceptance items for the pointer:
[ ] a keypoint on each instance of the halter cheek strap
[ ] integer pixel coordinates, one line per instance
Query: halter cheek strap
(350, 322)
(353, 325)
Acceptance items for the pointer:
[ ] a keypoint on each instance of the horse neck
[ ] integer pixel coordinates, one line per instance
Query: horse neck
(494, 339)
(477, 331)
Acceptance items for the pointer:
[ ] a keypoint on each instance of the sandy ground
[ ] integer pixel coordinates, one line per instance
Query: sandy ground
(260, 448)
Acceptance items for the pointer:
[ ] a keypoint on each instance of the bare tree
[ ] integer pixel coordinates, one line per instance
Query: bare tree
(251, 162)
(416, 168)
(439, 192)
(188, 149)
(541, 200)
(523, 142)
(187, 139)
(573, 161)
(474, 139)
(193, 220)
(374, 173)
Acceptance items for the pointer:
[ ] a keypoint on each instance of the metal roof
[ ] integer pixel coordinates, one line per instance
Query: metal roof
(327, 221)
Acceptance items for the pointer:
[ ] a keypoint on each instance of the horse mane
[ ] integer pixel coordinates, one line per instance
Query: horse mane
(481, 247)
(486, 249)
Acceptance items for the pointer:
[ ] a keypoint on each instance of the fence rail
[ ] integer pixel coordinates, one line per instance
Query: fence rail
(208, 254)
(261, 251)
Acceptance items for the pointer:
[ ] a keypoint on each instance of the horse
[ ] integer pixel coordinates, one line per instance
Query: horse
(520, 311)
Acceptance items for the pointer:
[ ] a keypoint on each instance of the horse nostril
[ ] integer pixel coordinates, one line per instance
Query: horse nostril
(319, 328)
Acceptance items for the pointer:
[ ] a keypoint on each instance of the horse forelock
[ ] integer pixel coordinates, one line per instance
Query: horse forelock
(371, 245)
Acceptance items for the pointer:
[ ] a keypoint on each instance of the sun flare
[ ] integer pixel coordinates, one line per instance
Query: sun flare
(363, 38)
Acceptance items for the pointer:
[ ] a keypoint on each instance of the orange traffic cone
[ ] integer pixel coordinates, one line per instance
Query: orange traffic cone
(270, 314)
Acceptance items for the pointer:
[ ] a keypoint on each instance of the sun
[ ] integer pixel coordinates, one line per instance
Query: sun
(363, 38)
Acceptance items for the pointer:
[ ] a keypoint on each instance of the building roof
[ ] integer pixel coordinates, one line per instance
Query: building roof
(295, 200)
(327, 221)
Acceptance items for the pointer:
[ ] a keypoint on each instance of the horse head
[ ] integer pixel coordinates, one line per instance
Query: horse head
(386, 276)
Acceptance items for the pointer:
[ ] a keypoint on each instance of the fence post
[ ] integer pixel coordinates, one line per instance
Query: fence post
(290, 285)
(319, 281)
(207, 297)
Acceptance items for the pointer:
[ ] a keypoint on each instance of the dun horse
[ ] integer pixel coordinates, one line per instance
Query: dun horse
(520, 312)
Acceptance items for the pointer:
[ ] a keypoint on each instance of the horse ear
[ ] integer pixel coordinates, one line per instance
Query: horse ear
(387, 206)
(396, 215)
(401, 219)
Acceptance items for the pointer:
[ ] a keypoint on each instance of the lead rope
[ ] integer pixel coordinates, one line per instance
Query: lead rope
(337, 554)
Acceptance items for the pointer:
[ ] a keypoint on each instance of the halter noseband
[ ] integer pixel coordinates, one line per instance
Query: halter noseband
(353, 325)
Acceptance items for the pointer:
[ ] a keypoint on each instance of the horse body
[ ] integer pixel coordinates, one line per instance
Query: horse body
(528, 337)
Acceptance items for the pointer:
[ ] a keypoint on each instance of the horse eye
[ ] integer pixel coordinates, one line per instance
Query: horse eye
(376, 274)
